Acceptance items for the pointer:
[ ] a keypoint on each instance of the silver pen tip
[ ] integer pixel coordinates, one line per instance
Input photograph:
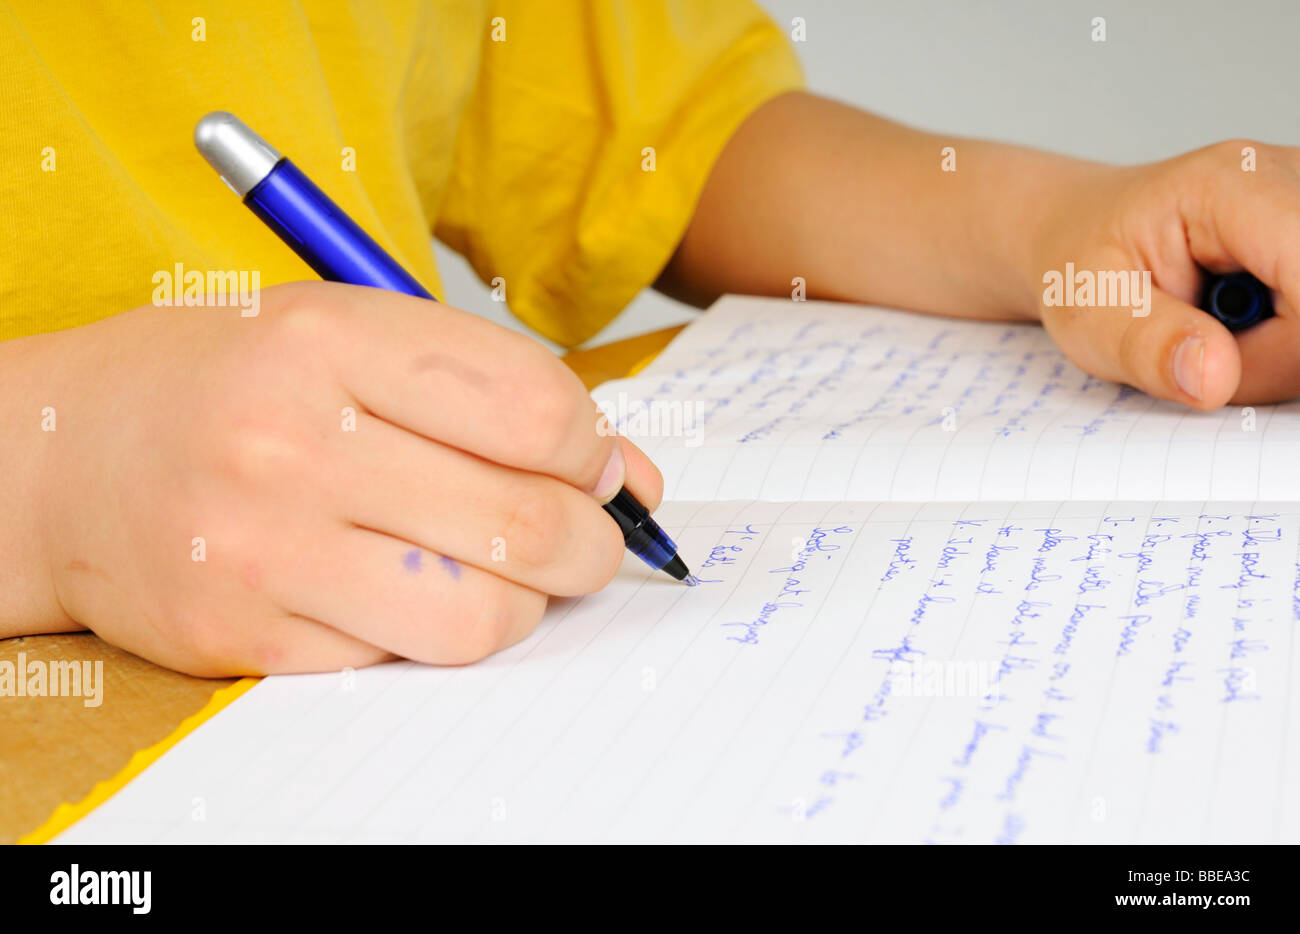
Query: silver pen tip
(240, 156)
(690, 580)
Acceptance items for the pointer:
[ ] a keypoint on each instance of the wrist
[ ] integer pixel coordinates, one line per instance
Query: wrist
(29, 423)
(1056, 196)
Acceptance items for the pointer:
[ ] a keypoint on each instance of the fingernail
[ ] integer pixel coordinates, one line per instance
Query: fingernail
(1189, 361)
(611, 480)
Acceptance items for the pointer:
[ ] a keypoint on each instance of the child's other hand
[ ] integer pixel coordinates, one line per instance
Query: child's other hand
(1209, 209)
(349, 476)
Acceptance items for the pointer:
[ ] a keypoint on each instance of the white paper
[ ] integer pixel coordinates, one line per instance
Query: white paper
(793, 401)
(1070, 618)
(1065, 672)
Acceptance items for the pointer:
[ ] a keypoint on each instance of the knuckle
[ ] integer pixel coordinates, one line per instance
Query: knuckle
(541, 440)
(304, 316)
(543, 401)
(255, 456)
(304, 296)
(484, 628)
(536, 529)
(298, 333)
(598, 551)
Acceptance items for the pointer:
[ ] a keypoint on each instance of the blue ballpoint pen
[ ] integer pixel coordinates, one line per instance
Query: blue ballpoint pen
(334, 246)
(1238, 299)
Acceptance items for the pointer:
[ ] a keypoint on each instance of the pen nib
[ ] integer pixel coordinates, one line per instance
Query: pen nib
(676, 569)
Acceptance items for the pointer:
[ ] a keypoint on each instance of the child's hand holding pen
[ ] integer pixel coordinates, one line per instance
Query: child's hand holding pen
(860, 208)
(350, 475)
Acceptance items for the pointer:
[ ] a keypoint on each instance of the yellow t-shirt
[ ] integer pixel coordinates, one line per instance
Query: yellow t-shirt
(520, 133)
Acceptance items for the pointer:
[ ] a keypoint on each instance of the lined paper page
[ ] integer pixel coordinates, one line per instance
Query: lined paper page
(772, 399)
(941, 672)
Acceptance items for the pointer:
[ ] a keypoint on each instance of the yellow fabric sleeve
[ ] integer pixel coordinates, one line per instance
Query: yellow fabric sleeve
(590, 134)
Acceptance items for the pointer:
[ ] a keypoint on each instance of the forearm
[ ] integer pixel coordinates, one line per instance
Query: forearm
(29, 419)
(861, 209)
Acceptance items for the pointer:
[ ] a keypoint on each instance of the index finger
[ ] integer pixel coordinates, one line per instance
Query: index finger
(471, 384)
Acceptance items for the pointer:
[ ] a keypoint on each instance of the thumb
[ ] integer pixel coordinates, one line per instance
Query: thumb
(1177, 352)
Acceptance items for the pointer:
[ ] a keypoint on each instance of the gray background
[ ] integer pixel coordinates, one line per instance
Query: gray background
(1172, 75)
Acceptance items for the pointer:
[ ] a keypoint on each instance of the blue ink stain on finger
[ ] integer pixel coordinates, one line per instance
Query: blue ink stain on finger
(450, 566)
(413, 561)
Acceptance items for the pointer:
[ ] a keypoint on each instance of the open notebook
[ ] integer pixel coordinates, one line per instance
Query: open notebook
(953, 590)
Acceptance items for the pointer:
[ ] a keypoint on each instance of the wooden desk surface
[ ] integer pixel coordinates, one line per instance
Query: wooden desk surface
(55, 749)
